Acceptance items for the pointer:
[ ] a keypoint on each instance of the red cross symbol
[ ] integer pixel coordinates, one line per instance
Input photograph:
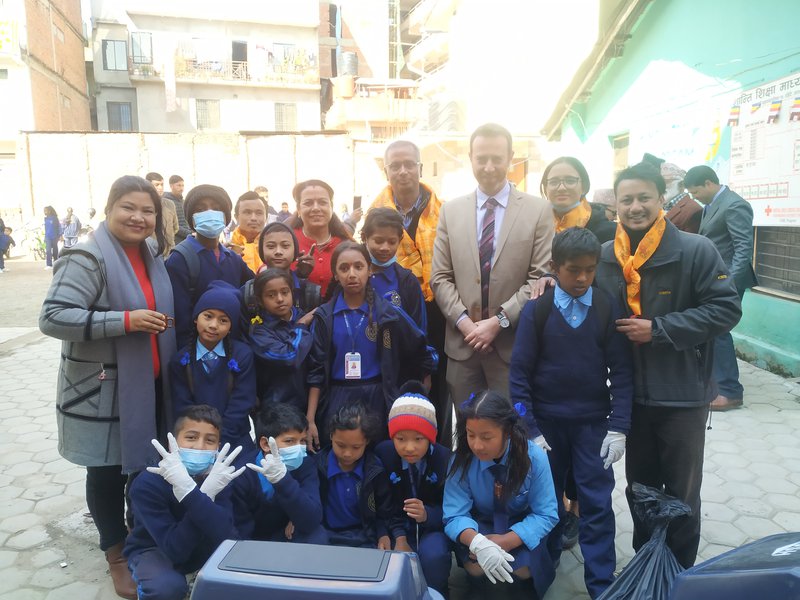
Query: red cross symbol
(768, 210)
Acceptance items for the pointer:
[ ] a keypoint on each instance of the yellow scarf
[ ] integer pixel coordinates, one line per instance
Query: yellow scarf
(250, 254)
(576, 217)
(631, 264)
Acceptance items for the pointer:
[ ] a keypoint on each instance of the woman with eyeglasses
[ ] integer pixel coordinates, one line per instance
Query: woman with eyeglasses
(317, 228)
(565, 184)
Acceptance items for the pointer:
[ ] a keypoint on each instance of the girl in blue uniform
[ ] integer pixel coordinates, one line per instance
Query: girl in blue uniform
(280, 340)
(214, 368)
(381, 234)
(499, 503)
(354, 488)
(360, 343)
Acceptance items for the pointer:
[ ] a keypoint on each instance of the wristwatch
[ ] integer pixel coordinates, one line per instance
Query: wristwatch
(504, 322)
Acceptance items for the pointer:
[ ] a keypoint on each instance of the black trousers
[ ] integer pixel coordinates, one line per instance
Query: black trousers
(665, 451)
(105, 496)
(439, 396)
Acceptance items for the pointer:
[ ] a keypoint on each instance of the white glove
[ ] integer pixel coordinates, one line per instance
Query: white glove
(272, 466)
(542, 443)
(613, 448)
(492, 558)
(171, 468)
(222, 473)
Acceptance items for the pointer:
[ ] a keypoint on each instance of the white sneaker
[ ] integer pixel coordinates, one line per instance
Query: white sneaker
(48, 268)
(3, 271)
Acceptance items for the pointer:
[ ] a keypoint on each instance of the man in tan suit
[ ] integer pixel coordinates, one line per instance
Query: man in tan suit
(491, 245)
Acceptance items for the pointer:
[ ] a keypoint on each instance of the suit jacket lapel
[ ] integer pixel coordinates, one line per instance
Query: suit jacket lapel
(512, 210)
(713, 209)
(472, 229)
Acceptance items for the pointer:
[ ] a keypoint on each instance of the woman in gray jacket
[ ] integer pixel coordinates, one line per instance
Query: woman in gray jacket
(109, 302)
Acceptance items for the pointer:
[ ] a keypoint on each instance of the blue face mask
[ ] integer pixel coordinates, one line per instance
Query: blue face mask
(197, 461)
(292, 456)
(388, 263)
(209, 223)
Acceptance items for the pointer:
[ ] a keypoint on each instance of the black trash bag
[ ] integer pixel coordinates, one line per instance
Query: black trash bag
(652, 571)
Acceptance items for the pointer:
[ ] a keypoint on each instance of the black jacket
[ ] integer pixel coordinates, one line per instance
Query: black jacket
(687, 292)
(430, 491)
(600, 225)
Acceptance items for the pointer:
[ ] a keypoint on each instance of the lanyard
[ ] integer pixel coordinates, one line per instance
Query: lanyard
(350, 330)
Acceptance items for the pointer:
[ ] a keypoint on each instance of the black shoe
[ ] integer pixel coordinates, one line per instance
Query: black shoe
(569, 535)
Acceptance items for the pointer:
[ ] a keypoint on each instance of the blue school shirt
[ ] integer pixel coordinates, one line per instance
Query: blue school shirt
(532, 510)
(574, 310)
(353, 341)
(201, 350)
(341, 505)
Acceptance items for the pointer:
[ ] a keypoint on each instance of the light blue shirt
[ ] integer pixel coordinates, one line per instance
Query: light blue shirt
(470, 499)
(201, 350)
(574, 310)
(499, 211)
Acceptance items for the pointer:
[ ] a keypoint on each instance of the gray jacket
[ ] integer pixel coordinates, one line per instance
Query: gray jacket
(687, 293)
(76, 310)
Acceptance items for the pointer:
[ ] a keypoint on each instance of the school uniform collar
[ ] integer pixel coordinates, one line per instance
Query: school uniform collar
(486, 464)
(501, 197)
(198, 247)
(389, 274)
(201, 351)
(562, 299)
(273, 320)
(334, 468)
(340, 306)
(421, 464)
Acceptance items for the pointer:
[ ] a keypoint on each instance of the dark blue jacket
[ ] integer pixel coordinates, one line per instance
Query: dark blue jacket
(231, 389)
(296, 499)
(230, 268)
(409, 296)
(430, 490)
(564, 375)
(403, 349)
(186, 532)
(374, 498)
(281, 348)
(52, 228)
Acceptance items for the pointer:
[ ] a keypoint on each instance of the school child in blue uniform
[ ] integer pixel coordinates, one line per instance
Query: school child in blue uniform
(280, 341)
(381, 234)
(354, 488)
(215, 369)
(200, 259)
(279, 249)
(417, 468)
(182, 508)
(361, 346)
(277, 498)
(561, 370)
(499, 503)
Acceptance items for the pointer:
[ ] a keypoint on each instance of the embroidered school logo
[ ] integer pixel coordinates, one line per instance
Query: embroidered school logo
(395, 299)
(387, 340)
(371, 332)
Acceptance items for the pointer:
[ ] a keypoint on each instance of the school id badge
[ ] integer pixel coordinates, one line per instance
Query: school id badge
(352, 365)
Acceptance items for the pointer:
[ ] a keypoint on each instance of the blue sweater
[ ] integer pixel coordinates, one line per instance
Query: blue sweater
(230, 268)
(430, 489)
(52, 228)
(400, 287)
(212, 389)
(295, 498)
(564, 376)
(187, 532)
(281, 348)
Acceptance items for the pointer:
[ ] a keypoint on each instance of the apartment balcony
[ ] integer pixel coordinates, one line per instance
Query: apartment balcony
(378, 111)
(430, 15)
(430, 52)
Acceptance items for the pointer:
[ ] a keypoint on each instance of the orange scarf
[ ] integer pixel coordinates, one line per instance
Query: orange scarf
(631, 264)
(250, 254)
(576, 217)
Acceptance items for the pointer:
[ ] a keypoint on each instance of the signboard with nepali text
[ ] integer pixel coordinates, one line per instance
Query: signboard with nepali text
(765, 151)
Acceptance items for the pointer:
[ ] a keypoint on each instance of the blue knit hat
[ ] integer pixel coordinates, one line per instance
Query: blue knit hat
(221, 295)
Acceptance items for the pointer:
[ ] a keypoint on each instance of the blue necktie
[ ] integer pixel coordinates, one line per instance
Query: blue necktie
(210, 361)
(500, 517)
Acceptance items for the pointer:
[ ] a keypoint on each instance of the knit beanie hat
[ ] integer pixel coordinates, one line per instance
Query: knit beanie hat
(221, 295)
(413, 412)
(215, 193)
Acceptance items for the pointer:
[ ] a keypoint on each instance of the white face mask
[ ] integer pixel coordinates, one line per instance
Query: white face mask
(209, 223)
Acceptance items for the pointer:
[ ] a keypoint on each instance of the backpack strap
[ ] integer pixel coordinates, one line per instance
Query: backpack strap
(312, 296)
(602, 306)
(250, 302)
(541, 311)
(192, 265)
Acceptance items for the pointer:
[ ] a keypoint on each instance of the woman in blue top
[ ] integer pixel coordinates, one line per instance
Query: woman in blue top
(52, 231)
(361, 346)
(499, 503)
(381, 234)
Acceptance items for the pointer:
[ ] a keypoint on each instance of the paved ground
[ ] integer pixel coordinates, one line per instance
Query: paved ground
(48, 547)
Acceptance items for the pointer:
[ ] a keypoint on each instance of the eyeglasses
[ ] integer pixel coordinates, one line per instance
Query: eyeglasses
(408, 165)
(569, 182)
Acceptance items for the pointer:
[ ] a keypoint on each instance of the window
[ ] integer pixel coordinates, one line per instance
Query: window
(777, 263)
(115, 55)
(285, 117)
(142, 48)
(119, 116)
(619, 144)
(207, 114)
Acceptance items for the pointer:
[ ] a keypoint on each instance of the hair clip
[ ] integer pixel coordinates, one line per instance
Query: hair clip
(520, 408)
(185, 359)
(394, 477)
(234, 366)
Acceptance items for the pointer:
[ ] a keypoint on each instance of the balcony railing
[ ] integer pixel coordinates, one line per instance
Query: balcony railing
(232, 70)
